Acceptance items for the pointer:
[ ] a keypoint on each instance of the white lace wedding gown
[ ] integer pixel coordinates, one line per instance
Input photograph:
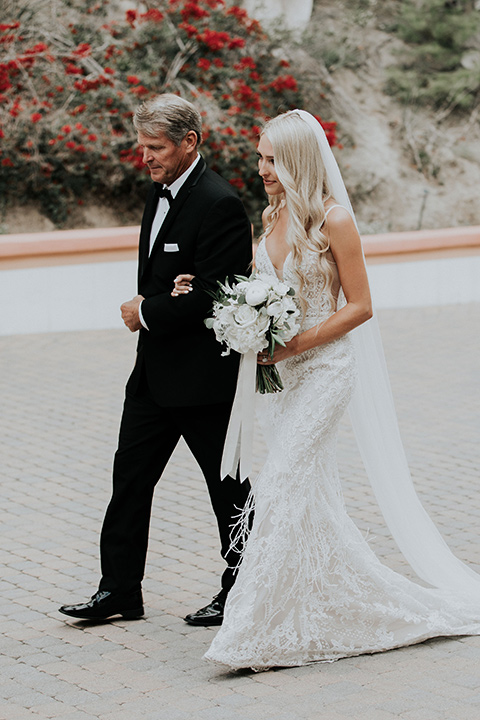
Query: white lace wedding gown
(309, 587)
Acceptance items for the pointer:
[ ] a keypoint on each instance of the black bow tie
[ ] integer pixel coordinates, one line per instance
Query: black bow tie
(161, 191)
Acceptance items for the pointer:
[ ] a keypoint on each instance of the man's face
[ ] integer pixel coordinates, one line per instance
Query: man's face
(167, 161)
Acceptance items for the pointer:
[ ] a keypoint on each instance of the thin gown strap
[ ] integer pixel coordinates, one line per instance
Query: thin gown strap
(331, 208)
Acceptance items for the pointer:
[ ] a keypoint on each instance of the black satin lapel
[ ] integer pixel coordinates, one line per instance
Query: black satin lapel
(146, 227)
(178, 202)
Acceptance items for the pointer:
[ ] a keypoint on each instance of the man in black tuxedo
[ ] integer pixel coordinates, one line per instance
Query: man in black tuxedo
(181, 385)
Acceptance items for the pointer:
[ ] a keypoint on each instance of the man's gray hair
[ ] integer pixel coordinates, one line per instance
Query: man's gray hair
(170, 114)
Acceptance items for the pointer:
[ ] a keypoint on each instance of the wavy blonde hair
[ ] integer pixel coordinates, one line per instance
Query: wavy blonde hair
(300, 170)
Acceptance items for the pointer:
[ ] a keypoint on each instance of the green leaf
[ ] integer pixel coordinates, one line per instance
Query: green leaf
(278, 339)
(271, 346)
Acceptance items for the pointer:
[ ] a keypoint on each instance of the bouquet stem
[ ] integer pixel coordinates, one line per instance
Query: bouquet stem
(268, 379)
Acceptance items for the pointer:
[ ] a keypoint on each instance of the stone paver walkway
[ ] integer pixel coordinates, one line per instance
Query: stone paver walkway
(61, 397)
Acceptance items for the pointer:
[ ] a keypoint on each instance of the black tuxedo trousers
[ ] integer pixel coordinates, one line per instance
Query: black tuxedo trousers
(149, 434)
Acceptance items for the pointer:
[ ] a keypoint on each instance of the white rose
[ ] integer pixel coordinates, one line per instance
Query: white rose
(265, 278)
(289, 304)
(242, 287)
(253, 339)
(256, 293)
(281, 288)
(251, 334)
(244, 340)
(293, 326)
(288, 335)
(245, 315)
(263, 322)
(276, 286)
(275, 309)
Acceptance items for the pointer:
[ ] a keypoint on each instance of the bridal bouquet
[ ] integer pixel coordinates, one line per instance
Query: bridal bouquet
(255, 313)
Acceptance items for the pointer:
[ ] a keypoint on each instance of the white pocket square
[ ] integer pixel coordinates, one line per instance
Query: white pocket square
(170, 247)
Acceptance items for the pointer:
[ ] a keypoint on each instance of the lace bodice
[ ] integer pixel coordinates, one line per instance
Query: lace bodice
(318, 310)
(318, 304)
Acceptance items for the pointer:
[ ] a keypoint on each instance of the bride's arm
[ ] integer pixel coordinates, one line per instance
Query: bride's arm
(346, 249)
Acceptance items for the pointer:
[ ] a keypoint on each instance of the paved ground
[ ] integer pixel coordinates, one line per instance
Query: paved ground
(61, 397)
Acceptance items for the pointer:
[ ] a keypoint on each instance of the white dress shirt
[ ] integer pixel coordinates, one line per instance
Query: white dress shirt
(162, 209)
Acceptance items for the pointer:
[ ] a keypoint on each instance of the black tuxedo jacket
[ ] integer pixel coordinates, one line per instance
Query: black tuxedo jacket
(181, 358)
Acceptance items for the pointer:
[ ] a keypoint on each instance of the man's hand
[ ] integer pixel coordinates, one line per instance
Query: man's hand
(130, 315)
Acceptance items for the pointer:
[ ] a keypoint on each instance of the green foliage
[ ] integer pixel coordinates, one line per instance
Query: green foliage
(72, 74)
(334, 51)
(435, 70)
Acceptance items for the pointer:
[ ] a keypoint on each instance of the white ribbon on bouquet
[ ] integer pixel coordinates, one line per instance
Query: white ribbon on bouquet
(239, 439)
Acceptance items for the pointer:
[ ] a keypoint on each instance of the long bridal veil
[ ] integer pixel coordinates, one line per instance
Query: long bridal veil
(374, 420)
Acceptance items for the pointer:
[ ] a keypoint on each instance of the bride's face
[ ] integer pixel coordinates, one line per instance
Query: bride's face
(266, 167)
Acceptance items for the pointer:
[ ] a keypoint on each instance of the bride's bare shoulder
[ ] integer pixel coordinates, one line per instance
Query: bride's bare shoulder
(338, 216)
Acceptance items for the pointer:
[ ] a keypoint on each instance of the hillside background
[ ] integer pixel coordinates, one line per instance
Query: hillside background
(406, 165)
(409, 163)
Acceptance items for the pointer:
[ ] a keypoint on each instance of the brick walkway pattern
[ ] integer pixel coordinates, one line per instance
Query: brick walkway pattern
(61, 398)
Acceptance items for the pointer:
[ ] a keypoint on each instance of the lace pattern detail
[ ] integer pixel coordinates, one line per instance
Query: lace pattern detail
(310, 588)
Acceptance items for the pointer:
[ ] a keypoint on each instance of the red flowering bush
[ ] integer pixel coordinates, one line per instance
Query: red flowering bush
(67, 98)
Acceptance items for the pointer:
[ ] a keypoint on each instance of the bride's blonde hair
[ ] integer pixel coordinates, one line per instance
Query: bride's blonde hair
(299, 167)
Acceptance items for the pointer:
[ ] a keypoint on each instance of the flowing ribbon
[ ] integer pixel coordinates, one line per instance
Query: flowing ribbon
(239, 439)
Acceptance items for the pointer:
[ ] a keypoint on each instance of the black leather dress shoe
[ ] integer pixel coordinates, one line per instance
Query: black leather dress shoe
(211, 614)
(105, 604)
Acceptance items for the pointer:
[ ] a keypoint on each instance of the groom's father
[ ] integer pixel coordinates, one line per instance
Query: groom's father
(180, 386)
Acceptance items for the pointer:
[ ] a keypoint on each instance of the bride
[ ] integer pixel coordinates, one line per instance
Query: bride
(309, 588)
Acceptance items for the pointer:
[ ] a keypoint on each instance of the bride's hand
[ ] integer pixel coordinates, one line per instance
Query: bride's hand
(182, 285)
(280, 353)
